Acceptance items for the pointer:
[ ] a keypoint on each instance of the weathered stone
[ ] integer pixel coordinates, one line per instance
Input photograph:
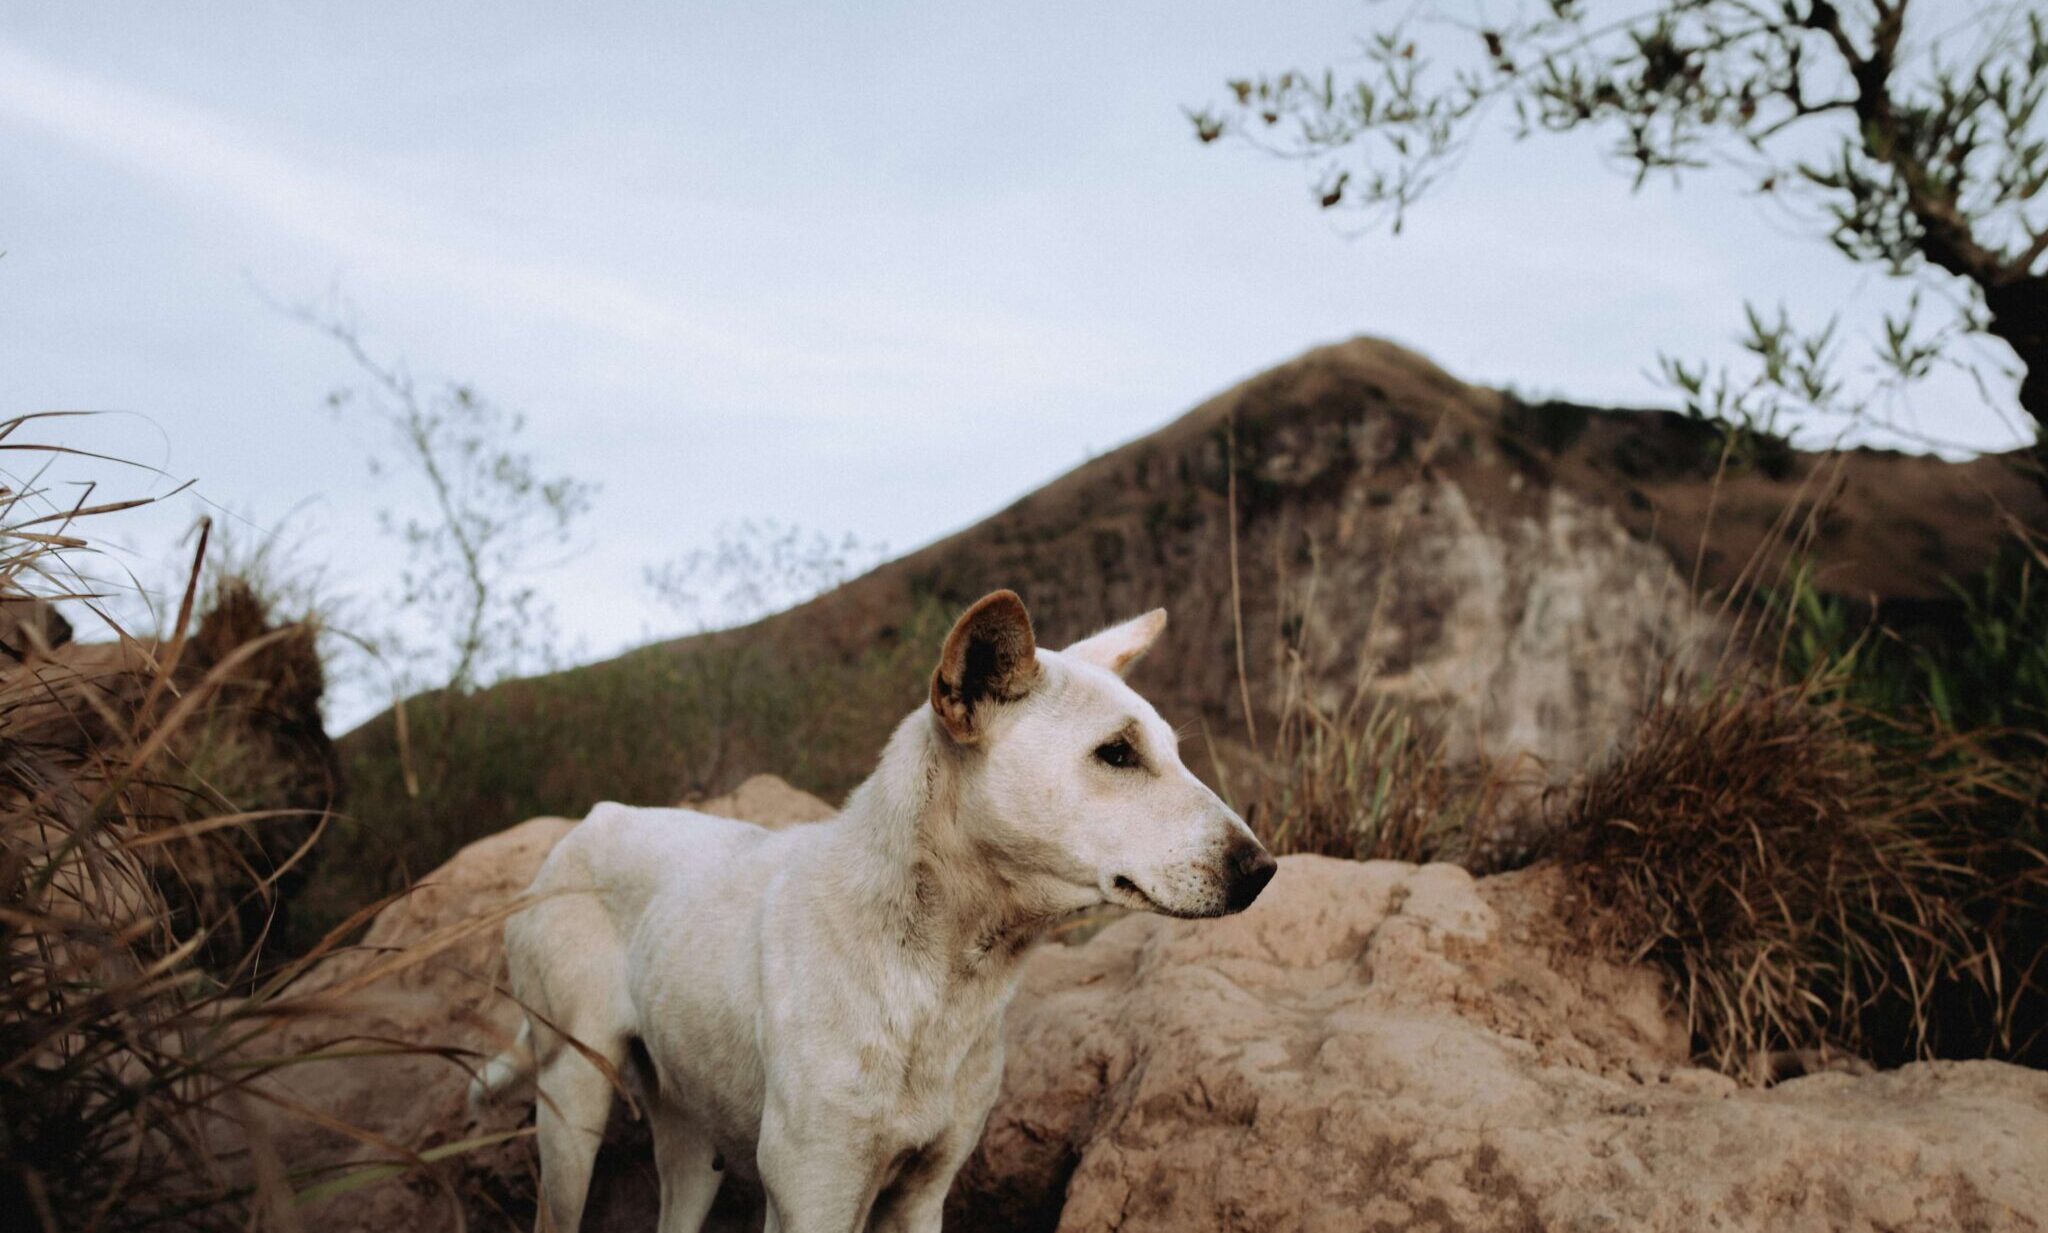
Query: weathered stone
(766, 800)
(1372, 1046)
(1387, 1047)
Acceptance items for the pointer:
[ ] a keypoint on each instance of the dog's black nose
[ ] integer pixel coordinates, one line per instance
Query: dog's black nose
(1251, 867)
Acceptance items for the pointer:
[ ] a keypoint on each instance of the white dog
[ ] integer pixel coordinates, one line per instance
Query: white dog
(822, 1007)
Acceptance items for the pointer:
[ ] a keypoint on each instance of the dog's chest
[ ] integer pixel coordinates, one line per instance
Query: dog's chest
(934, 1059)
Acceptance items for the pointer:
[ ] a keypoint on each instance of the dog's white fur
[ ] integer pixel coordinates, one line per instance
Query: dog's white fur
(821, 1007)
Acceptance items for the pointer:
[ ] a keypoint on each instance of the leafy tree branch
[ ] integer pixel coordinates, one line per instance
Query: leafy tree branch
(1915, 135)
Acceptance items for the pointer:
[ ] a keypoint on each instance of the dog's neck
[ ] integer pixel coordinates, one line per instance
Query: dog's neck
(909, 842)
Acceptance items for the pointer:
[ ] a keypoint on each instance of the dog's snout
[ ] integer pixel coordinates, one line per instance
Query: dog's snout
(1251, 867)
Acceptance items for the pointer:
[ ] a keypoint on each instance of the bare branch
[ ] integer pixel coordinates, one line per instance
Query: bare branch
(492, 509)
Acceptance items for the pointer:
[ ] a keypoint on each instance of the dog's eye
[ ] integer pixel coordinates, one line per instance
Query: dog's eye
(1118, 753)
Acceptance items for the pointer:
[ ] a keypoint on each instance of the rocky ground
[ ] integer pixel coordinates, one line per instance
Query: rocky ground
(1372, 1047)
(1390, 1047)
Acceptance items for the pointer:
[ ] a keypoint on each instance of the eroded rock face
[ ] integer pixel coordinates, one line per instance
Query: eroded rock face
(1534, 636)
(1372, 1046)
(1386, 1047)
(1386, 517)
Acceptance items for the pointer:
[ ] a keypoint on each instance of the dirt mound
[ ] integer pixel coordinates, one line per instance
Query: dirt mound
(1375, 1046)
(767, 801)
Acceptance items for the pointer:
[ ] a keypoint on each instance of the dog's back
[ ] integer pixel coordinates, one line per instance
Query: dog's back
(622, 854)
(569, 954)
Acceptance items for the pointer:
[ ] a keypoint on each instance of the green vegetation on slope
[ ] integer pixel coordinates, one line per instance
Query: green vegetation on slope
(653, 727)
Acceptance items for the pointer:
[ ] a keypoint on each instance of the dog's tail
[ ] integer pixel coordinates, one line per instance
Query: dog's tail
(510, 1070)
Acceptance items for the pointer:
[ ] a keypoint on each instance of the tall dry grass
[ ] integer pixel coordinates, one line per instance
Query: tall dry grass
(1828, 845)
(1365, 778)
(135, 1058)
(1352, 773)
(1806, 890)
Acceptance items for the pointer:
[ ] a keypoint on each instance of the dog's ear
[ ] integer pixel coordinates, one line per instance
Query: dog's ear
(990, 657)
(1120, 646)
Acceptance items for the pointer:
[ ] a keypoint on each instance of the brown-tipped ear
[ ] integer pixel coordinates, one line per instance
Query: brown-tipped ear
(990, 657)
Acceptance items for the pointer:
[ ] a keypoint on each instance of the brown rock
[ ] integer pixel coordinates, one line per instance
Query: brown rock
(1373, 1046)
(768, 801)
(1383, 1046)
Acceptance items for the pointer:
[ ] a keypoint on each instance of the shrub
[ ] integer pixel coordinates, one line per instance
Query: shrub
(133, 1072)
(1804, 887)
(1956, 693)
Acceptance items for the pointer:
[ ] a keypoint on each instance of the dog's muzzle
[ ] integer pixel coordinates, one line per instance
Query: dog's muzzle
(1250, 867)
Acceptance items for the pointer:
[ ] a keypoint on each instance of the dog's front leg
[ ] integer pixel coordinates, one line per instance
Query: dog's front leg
(817, 1181)
(916, 1202)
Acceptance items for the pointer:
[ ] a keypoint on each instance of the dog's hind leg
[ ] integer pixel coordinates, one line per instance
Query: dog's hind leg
(571, 1107)
(509, 1070)
(688, 1165)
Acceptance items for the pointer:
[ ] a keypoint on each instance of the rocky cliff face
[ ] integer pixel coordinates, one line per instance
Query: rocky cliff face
(1383, 533)
(1376, 1046)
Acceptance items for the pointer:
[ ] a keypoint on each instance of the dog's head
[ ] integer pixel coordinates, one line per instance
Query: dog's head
(1069, 775)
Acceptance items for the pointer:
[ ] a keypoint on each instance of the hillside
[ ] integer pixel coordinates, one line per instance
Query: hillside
(1520, 570)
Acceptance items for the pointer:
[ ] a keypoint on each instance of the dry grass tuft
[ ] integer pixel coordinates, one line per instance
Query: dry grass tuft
(1357, 776)
(1805, 892)
(1365, 779)
(1835, 850)
(135, 1023)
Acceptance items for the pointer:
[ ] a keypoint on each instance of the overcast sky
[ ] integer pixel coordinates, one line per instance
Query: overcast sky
(876, 268)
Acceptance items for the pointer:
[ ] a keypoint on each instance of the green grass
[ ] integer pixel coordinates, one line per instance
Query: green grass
(1966, 680)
